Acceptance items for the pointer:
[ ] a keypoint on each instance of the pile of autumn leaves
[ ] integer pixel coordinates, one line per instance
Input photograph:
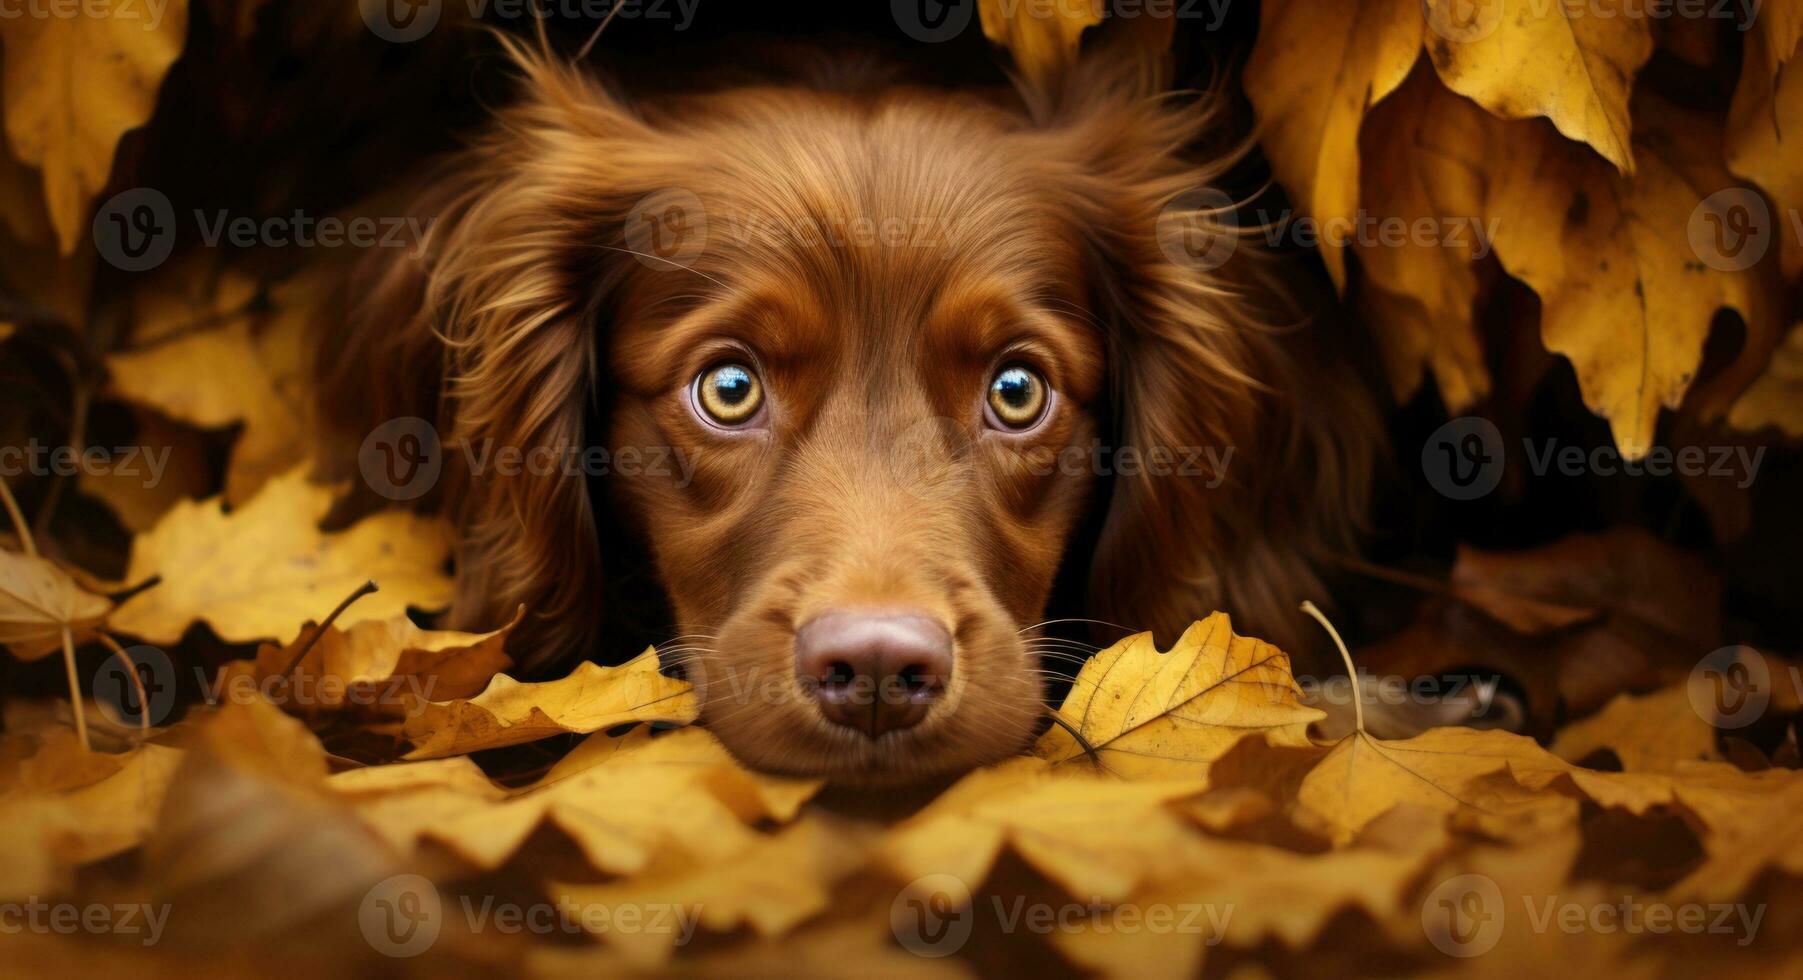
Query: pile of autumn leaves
(1623, 212)
(1204, 790)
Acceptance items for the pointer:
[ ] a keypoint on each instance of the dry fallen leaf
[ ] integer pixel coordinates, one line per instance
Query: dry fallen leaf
(1043, 38)
(141, 489)
(250, 843)
(73, 86)
(1776, 397)
(1317, 69)
(373, 663)
(49, 834)
(631, 804)
(771, 887)
(253, 573)
(38, 600)
(1648, 733)
(1762, 142)
(1443, 769)
(243, 392)
(1623, 293)
(1524, 58)
(1096, 836)
(1243, 894)
(507, 712)
(1153, 715)
(1424, 150)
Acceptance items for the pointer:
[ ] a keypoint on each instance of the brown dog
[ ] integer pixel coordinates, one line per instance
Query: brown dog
(898, 348)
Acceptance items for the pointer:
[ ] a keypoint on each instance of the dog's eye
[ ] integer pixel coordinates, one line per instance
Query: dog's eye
(730, 394)
(1017, 397)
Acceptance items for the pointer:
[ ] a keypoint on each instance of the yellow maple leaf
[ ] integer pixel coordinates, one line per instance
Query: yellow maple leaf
(1315, 71)
(1524, 58)
(73, 86)
(1424, 153)
(51, 834)
(632, 804)
(241, 389)
(589, 699)
(1762, 142)
(254, 572)
(1042, 37)
(1625, 294)
(370, 665)
(1168, 715)
(1243, 894)
(1444, 769)
(1096, 836)
(1648, 733)
(772, 886)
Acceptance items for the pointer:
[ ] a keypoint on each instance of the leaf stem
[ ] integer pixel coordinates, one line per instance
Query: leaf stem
(81, 712)
(318, 631)
(1358, 692)
(1088, 749)
(137, 683)
(18, 519)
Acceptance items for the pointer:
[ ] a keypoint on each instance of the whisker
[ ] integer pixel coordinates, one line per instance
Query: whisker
(1078, 619)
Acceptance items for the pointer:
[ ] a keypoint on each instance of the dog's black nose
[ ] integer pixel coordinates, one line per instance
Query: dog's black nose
(874, 670)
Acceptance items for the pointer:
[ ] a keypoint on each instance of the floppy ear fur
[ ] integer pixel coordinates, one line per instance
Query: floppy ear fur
(1217, 359)
(492, 333)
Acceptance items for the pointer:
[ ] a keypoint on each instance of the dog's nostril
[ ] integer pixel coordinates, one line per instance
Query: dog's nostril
(918, 680)
(876, 671)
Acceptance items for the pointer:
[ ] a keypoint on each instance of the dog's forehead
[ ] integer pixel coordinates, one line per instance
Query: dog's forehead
(910, 171)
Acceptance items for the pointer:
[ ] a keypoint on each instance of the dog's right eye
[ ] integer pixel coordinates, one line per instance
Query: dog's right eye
(729, 394)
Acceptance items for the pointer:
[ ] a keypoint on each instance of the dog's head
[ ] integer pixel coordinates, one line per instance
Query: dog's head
(858, 362)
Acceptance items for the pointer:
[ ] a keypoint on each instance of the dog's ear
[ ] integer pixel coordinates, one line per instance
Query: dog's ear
(490, 332)
(1267, 443)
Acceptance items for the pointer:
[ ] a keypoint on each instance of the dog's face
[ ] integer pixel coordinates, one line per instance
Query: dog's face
(878, 370)
(891, 346)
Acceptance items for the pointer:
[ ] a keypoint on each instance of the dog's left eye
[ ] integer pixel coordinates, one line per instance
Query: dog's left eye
(729, 394)
(1017, 397)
